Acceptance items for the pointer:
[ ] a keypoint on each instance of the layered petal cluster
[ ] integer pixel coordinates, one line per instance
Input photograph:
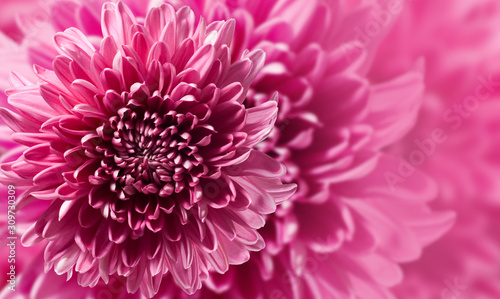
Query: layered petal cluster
(347, 229)
(145, 151)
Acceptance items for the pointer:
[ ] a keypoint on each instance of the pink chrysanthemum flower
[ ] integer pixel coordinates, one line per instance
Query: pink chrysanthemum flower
(346, 231)
(144, 149)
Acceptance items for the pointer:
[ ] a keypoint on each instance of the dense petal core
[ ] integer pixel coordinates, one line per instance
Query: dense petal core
(145, 149)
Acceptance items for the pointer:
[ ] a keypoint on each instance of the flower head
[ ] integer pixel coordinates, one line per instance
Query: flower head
(145, 149)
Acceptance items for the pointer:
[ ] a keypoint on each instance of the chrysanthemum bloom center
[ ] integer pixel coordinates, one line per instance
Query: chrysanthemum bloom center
(153, 151)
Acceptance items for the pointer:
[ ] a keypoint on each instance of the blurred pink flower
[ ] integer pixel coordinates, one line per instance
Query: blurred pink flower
(13, 57)
(460, 48)
(11, 13)
(132, 144)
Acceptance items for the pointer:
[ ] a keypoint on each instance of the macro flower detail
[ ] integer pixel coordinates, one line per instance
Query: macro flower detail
(143, 147)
